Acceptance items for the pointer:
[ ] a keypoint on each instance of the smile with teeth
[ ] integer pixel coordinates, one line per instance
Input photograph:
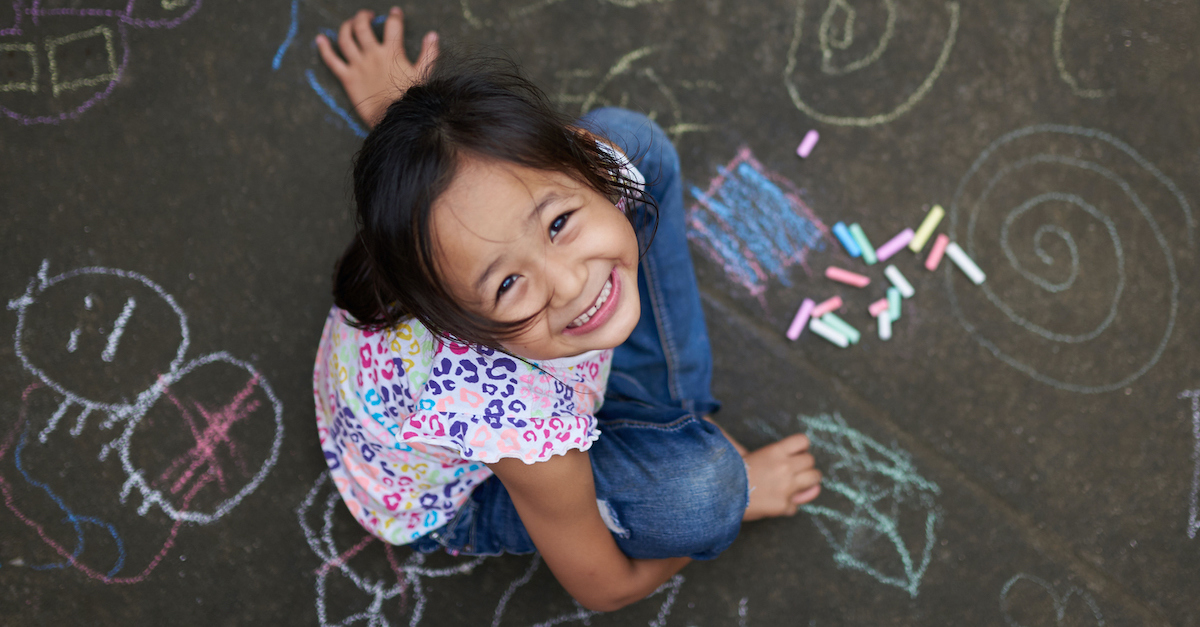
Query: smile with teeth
(587, 315)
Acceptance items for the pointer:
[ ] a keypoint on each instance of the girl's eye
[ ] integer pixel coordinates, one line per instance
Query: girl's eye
(559, 224)
(505, 285)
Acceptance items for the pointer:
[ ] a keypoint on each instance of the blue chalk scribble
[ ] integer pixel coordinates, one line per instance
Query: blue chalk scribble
(753, 223)
(881, 485)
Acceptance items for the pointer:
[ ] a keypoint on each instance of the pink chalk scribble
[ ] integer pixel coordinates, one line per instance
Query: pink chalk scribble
(214, 435)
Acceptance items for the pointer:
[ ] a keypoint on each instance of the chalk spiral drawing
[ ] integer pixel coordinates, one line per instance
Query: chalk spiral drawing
(1017, 170)
(835, 37)
(1060, 63)
(165, 405)
(1034, 586)
(1194, 507)
(882, 486)
(624, 72)
(752, 222)
(53, 44)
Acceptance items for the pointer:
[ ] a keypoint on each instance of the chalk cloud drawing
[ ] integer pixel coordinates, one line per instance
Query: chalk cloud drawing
(1193, 523)
(191, 439)
(882, 498)
(1023, 595)
(63, 58)
(1018, 203)
(844, 58)
(752, 222)
(1061, 64)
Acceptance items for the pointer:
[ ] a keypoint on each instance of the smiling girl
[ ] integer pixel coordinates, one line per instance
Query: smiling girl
(517, 359)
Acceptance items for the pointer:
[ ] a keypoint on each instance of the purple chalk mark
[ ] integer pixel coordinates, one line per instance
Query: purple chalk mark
(807, 145)
(801, 319)
(894, 245)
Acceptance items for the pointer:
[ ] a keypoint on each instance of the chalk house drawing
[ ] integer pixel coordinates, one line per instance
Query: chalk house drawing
(844, 58)
(404, 587)
(192, 439)
(879, 489)
(63, 58)
(753, 223)
(1021, 596)
(1193, 522)
(1069, 209)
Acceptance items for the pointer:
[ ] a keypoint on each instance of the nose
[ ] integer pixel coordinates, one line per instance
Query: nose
(569, 278)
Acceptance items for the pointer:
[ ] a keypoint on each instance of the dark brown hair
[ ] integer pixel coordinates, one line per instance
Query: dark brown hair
(482, 109)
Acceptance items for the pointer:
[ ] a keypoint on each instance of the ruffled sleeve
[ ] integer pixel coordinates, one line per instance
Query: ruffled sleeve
(488, 439)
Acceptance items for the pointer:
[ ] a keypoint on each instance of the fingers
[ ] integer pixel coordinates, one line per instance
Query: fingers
(806, 496)
(393, 28)
(429, 52)
(331, 58)
(363, 32)
(346, 41)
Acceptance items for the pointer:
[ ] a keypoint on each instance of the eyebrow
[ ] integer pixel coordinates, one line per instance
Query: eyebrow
(551, 198)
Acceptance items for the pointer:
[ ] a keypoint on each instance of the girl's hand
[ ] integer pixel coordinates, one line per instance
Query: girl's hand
(374, 73)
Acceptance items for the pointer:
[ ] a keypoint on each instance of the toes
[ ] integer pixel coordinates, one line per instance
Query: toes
(806, 496)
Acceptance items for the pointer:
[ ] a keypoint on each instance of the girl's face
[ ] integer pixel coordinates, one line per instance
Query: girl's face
(514, 242)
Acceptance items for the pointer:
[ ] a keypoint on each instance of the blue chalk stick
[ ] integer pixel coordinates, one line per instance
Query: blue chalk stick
(847, 240)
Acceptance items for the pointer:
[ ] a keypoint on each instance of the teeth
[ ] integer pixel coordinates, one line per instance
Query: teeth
(587, 315)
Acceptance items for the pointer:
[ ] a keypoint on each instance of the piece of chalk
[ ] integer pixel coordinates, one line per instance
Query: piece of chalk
(801, 319)
(878, 307)
(965, 263)
(885, 326)
(901, 283)
(843, 327)
(828, 332)
(847, 240)
(864, 244)
(845, 276)
(808, 143)
(893, 303)
(935, 253)
(827, 306)
(894, 245)
(926, 229)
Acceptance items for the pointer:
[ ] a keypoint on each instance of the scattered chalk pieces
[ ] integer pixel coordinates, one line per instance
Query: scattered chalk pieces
(828, 332)
(841, 326)
(935, 253)
(801, 319)
(864, 244)
(826, 306)
(965, 263)
(808, 143)
(898, 280)
(932, 219)
(894, 245)
(893, 303)
(845, 276)
(847, 240)
(878, 307)
(885, 326)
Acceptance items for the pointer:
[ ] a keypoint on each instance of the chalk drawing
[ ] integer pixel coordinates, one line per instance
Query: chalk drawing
(882, 487)
(60, 40)
(143, 412)
(629, 78)
(533, 7)
(1193, 523)
(1061, 64)
(1032, 588)
(752, 222)
(1030, 168)
(836, 38)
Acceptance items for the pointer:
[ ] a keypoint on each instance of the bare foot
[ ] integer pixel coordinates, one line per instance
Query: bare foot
(782, 477)
(374, 73)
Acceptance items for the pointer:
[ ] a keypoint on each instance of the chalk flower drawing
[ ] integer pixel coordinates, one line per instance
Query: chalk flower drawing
(881, 486)
(1029, 588)
(1083, 203)
(752, 222)
(145, 400)
(52, 74)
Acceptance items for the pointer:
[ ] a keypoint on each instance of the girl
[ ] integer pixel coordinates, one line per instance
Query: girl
(505, 370)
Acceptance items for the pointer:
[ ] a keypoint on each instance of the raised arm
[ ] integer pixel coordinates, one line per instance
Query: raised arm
(556, 500)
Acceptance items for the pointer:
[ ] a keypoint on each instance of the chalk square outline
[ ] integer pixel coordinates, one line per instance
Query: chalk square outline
(54, 43)
(30, 86)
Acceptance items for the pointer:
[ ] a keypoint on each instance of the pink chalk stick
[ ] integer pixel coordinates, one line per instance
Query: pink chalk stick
(878, 307)
(801, 319)
(935, 253)
(846, 276)
(807, 145)
(894, 245)
(833, 304)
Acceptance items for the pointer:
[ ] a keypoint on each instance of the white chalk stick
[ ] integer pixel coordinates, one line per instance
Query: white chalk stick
(901, 283)
(828, 332)
(965, 263)
(885, 325)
